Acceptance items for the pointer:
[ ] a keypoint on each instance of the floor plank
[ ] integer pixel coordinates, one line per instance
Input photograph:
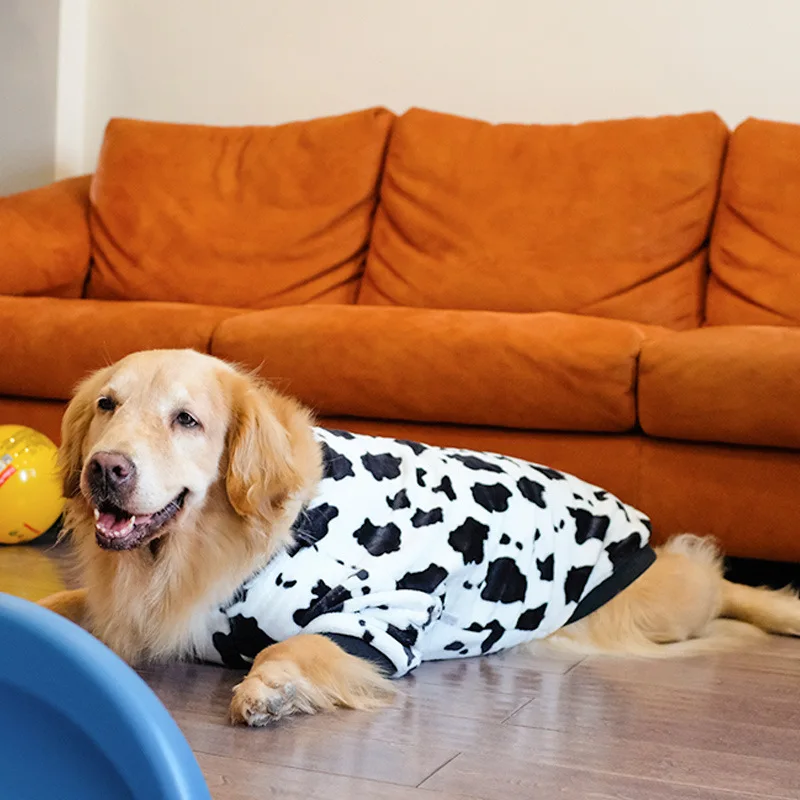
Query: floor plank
(517, 725)
(486, 777)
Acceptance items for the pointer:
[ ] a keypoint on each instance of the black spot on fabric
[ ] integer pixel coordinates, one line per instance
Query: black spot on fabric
(362, 574)
(409, 655)
(415, 446)
(504, 582)
(378, 539)
(463, 652)
(496, 630)
(311, 526)
(362, 623)
(279, 579)
(473, 462)
(492, 497)
(245, 640)
(334, 464)
(561, 525)
(468, 540)
(422, 518)
(366, 590)
(624, 510)
(406, 636)
(575, 583)
(446, 486)
(553, 474)
(518, 545)
(421, 476)
(618, 552)
(601, 494)
(467, 585)
(383, 465)
(340, 562)
(454, 646)
(223, 644)
(425, 581)
(318, 591)
(400, 500)
(289, 584)
(367, 637)
(537, 535)
(577, 496)
(383, 607)
(531, 619)
(533, 491)
(588, 526)
(546, 568)
(341, 434)
(505, 539)
(328, 603)
(647, 524)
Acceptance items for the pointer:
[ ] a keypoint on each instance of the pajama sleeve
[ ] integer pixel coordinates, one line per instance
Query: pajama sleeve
(384, 628)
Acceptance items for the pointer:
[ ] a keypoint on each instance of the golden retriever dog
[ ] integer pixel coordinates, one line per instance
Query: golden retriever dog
(193, 504)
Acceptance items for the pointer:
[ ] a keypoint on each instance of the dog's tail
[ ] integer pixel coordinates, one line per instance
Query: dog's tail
(683, 606)
(774, 611)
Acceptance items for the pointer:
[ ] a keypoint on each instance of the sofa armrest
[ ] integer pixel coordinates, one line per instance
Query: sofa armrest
(44, 239)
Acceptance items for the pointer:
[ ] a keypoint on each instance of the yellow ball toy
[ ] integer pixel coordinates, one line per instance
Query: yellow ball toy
(30, 487)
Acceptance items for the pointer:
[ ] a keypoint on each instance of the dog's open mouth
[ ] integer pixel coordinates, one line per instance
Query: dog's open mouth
(117, 529)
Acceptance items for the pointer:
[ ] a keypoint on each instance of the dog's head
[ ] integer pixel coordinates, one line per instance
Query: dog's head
(147, 441)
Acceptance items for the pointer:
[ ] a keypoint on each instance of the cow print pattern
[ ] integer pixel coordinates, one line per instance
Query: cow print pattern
(481, 552)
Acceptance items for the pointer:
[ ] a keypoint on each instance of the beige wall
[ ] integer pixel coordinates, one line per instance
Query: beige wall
(28, 71)
(264, 61)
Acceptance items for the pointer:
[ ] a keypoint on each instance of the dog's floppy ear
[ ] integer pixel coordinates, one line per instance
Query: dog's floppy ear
(74, 427)
(272, 455)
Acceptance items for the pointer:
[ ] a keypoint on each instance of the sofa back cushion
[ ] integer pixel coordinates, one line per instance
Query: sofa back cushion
(755, 246)
(249, 217)
(605, 218)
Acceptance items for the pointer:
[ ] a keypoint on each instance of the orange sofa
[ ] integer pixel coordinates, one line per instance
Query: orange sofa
(617, 299)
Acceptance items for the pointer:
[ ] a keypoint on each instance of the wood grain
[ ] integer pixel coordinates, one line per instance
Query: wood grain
(517, 725)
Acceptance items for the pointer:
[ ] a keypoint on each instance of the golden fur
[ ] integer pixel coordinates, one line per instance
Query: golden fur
(250, 471)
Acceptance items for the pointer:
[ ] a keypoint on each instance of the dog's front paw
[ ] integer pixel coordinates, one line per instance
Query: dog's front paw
(269, 693)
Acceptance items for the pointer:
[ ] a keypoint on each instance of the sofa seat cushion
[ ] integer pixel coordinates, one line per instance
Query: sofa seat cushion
(607, 219)
(736, 385)
(547, 371)
(50, 344)
(755, 246)
(248, 217)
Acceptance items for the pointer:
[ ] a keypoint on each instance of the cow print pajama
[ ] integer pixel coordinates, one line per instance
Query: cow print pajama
(411, 553)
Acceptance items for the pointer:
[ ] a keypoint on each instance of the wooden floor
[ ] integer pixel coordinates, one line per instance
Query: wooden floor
(503, 727)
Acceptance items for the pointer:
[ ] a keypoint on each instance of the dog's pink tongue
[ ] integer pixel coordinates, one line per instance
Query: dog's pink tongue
(111, 523)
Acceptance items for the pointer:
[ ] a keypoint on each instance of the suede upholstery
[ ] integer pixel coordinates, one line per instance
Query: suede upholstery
(546, 371)
(739, 385)
(541, 291)
(605, 219)
(45, 240)
(248, 217)
(57, 342)
(755, 252)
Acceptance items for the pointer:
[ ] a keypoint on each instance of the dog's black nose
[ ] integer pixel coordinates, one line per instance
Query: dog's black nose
(110, 472)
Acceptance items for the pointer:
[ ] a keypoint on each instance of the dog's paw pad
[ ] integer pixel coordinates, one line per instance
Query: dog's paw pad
(256, 703)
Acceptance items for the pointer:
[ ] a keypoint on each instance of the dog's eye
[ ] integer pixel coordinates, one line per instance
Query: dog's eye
(106, 404)
(186, 420)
